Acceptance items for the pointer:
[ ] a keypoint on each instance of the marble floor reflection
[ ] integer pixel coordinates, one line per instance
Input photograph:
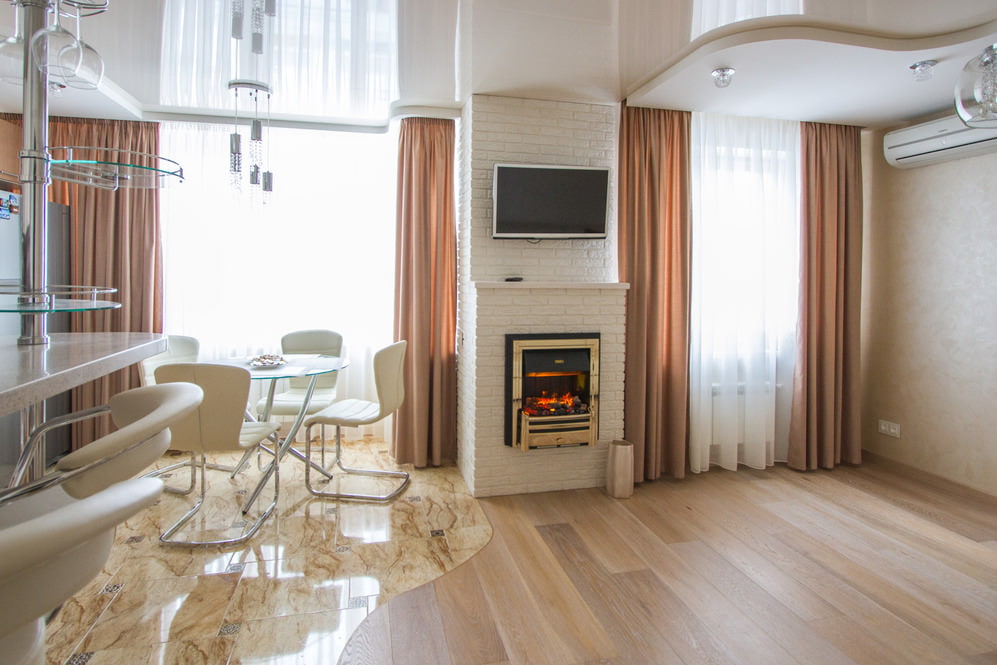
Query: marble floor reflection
(293, 594)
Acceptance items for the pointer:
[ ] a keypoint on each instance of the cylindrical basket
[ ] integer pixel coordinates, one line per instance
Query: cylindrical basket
(620, 470)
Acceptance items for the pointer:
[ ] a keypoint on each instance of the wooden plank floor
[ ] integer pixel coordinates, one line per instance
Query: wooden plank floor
(877, 565)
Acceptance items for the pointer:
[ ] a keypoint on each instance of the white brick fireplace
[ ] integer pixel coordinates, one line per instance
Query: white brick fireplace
(569, 286)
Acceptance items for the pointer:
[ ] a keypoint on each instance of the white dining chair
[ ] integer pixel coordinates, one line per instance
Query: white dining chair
(389, 365)
(179, 349)
(217, 425)
(288, 402)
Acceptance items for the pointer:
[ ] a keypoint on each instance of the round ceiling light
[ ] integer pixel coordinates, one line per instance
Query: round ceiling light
(976, 92)
(722, 76)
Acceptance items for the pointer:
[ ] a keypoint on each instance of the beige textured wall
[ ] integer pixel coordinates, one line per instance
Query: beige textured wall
(930, 314)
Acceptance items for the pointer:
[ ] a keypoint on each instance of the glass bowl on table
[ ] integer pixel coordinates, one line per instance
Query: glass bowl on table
(267, 361)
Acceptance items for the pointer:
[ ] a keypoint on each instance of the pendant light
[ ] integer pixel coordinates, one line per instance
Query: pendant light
(260, 178)
(976, 93)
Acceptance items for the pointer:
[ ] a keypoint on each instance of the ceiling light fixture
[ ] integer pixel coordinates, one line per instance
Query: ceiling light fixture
(722, 76)
(257, 176)
(976, 92)
(922, 70)
(260, 177)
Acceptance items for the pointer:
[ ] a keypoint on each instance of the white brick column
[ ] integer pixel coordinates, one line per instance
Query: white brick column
(520, 308)
(568, 286)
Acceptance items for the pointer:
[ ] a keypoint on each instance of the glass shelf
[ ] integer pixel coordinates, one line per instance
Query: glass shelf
(57, 298)
(112, 169)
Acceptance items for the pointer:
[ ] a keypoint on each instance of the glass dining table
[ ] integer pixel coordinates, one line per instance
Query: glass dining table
(273, 368)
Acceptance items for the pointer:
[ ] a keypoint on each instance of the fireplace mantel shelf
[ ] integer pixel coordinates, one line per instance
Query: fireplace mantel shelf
(525, 284)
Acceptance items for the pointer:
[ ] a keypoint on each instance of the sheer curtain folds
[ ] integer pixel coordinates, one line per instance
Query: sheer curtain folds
(336, 59)
(426, 292)
(654, 260)
(240, 274)
(745, 281)
(710, 14)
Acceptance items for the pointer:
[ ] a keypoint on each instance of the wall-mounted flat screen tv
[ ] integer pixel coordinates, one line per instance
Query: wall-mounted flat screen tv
(543, 201)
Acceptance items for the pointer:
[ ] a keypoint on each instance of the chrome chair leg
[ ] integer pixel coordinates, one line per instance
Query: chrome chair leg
(338, 461)
(192, 463)
(167, 536)
(242, 462)
(304, 458)
(246, 456)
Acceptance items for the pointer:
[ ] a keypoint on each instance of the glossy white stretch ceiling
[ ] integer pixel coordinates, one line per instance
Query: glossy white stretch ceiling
(837, 61)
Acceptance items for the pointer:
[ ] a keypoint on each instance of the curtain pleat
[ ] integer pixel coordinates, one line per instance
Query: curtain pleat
(654, 257)
(825, 429)
(114, 241)
(425, 431)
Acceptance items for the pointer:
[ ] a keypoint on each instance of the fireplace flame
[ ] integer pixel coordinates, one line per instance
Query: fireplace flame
(554, 405)
(544, 374)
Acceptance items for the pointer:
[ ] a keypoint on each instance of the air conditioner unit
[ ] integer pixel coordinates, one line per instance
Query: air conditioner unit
(936, 141)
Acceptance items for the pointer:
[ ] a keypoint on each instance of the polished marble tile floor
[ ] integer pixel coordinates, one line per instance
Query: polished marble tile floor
(293, 594)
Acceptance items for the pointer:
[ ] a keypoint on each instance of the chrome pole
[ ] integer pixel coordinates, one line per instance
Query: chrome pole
(34, 177)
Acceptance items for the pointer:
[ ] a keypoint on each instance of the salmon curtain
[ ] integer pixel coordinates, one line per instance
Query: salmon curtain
(825, 429)
(655, 258)
(425, 431)
(114, 241)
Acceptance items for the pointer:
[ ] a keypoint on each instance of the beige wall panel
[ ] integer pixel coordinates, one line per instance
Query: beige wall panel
(930, 315)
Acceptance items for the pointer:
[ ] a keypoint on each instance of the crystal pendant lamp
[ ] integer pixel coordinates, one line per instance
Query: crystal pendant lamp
(976, 93)
(260, 178)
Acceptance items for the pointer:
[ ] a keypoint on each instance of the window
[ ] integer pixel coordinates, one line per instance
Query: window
(745, 284)
(239, 273)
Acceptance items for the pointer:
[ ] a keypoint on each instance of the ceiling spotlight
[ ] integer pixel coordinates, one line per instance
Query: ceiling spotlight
(722, 76)
(922, 69)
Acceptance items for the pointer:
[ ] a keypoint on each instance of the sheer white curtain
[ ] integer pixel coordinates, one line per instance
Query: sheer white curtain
(710, 14)
(745, 277)
(336, 58)
(238, 274)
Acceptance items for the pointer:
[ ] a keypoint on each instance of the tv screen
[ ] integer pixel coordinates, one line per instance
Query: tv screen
(541, 201)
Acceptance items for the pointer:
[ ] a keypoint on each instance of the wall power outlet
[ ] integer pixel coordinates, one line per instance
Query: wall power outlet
(889, 429)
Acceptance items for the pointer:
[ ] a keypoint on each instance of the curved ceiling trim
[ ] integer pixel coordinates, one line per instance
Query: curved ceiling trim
(784, 28)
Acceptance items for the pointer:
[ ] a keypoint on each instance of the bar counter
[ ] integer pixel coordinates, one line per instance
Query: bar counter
(30, 374)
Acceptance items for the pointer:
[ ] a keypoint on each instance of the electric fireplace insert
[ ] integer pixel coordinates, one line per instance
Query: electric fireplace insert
(552, 390)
